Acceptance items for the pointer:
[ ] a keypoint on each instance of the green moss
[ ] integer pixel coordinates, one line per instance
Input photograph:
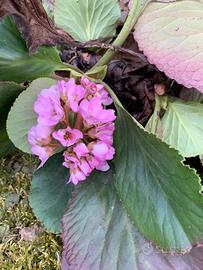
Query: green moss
(43, 253)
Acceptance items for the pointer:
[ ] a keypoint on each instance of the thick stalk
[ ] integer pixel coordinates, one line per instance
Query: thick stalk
(160, 103)
(127, 27)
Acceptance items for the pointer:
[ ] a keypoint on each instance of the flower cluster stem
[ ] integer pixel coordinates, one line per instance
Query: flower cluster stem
(128, 26)
(160, 103)
(78, 122)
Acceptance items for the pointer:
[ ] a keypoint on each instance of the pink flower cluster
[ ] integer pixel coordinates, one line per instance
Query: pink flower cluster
(73, 118)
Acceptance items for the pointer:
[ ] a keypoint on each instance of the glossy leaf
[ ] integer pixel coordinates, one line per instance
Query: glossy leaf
(171, 36)
(22, 116)
(8, 93)
(49, 193)
(6, 146)
(98, 234)
(15, 62)
(87, 20)
(160, 194)
(182, 127)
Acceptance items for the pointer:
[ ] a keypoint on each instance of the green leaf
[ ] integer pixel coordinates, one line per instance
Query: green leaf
(15, 62)
(160, 194)
(97, 73)
(49, 193)
(22, 116)
(8, 93)
(182, 127)
(6, 145)
(87, 20)
(98, 234)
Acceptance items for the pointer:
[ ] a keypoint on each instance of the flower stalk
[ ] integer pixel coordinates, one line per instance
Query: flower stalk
(119, 41)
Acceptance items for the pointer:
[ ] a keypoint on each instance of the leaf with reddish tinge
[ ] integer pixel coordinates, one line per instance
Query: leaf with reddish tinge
(98, 235)
(171, 36)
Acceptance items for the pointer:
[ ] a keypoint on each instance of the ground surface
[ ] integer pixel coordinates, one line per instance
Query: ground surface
(24, 245)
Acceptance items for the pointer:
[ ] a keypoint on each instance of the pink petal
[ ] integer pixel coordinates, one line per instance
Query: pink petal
(68, 136)
(100, 149)
(43, 153)
(81, 150)
(76, 177)
(103, 166)
(85, 167)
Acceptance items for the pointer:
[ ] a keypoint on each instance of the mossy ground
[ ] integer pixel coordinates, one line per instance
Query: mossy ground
(43, 253)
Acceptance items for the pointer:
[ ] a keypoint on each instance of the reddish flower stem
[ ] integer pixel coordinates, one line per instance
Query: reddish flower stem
(78, 122)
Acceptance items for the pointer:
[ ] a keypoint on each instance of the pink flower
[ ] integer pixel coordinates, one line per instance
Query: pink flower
(96, 90)
(70, 160)
(39, 134)
(104, 95)
(96, 156)
(39, 137)
(71, 93)
(63, 91)
(90, 86)
(79, 168)
(103, 132)
(81, 150)
(76, 177)
(102, 151)
(93, 162)
(93, 112)
(74, 116)
(68, 136)
(75, 97)
(48, 107)
(103, 166)
(43, 152)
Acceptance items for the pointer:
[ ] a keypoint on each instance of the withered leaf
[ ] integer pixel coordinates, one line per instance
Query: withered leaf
(35, 26)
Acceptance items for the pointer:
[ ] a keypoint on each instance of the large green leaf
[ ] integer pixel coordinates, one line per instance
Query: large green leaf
(22, 116)
(15, 62)
(6, 145)
(87, 19)
(98, 234)
(8, 93)
(161, 195)
(49, 193)
(182, 127)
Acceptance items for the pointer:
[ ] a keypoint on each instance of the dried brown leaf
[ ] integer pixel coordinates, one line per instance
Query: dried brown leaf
(34, 24)
(30, 233)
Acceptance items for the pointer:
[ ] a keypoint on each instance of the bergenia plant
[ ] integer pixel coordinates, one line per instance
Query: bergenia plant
(107, 95)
